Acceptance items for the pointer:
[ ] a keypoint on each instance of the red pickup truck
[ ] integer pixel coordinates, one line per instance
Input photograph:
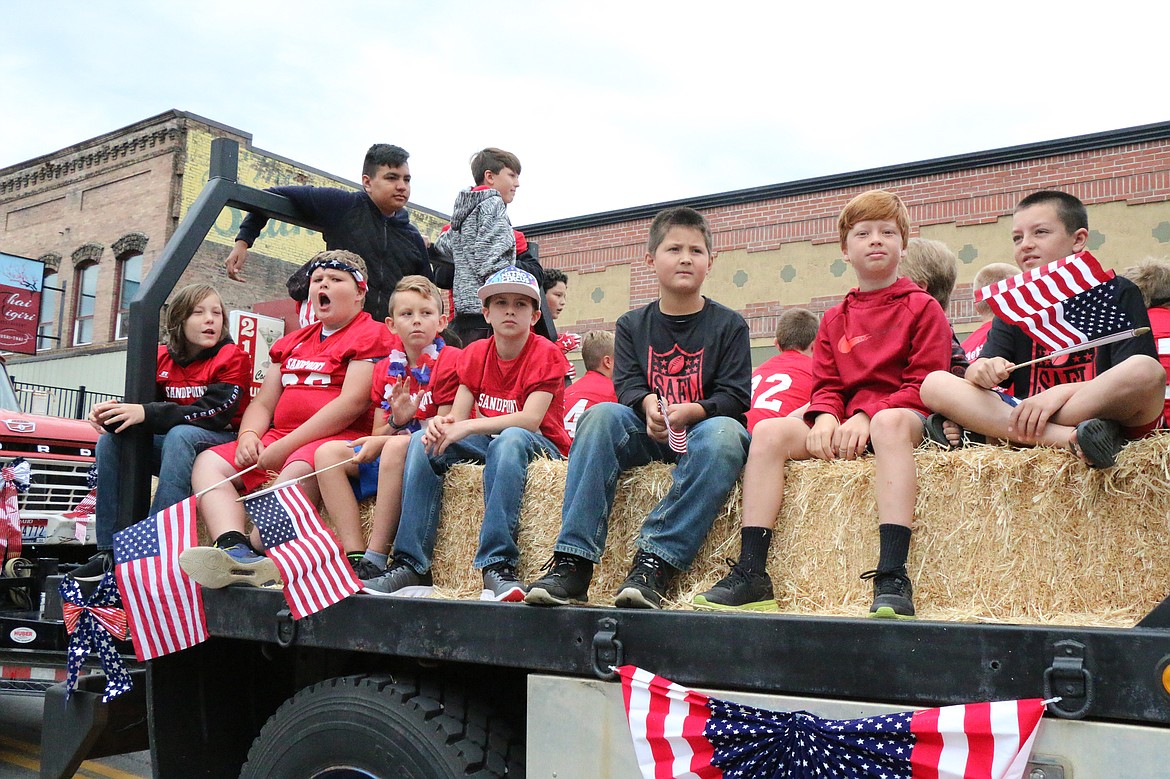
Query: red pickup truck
(60, 452)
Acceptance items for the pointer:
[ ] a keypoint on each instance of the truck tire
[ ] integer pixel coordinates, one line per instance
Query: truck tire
(376, 726)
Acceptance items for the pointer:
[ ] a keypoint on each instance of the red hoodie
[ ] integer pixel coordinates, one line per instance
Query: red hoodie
(875, 348)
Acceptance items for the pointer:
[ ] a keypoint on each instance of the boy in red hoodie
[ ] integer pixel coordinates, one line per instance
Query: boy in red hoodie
(871, 354)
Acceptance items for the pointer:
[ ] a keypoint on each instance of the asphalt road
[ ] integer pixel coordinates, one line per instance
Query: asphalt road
(20, 746)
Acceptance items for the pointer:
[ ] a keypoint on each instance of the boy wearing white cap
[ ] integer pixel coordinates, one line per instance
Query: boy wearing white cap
(508, 410)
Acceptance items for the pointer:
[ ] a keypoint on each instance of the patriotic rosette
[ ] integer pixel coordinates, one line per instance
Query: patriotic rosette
(93, 624)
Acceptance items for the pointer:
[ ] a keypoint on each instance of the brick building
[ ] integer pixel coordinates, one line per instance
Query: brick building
(778, 245)
(98, 214)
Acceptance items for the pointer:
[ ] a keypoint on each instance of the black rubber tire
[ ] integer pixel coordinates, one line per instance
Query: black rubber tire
(376, 726)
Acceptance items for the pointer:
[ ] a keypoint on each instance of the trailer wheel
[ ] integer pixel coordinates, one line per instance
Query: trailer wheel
(382, 728)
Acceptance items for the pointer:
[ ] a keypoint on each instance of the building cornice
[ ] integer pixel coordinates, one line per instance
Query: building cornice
(1159, 131)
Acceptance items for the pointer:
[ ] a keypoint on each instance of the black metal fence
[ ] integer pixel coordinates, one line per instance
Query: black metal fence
(58, 401)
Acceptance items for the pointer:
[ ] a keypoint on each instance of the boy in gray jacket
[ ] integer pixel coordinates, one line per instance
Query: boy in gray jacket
(480, 240)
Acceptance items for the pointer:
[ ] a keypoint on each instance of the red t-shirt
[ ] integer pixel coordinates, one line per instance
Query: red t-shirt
(1160, 328)
(312, 369)
(780, 386)
(973, 344)
(185, 385)
(440, 391)
(589, 390)
(502, 387)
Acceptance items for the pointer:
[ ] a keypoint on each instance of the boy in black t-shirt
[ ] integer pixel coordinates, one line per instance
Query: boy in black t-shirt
(1091, 401)
(692, 355)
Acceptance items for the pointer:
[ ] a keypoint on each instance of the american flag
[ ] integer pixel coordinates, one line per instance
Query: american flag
(315, 571)
(163, 605)
(678, 732)
(677, 438)
(1063, 304)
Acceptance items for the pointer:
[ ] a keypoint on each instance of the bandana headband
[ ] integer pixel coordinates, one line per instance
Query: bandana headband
(339, 265)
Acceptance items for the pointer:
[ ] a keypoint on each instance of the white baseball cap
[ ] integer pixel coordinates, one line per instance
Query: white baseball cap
(510, 279)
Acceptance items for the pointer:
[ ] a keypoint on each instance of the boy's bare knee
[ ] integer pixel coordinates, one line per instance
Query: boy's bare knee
(935, 387)
(895, 424)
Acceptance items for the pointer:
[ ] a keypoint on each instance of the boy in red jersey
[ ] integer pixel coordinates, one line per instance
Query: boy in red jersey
(416, 382)
(509, 410)
(988, 274)
(784, 382)
(318, 391)
(596, 386)
(201, 393)
(871, 354)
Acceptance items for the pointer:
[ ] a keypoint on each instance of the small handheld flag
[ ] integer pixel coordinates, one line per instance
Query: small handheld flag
(315, 571)
(677, 438)
(1062, 305)
(163, 604)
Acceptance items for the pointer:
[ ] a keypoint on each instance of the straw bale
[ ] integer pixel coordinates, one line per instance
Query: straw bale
(1001, 535)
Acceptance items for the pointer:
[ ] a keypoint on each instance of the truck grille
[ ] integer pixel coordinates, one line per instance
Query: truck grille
(57, 486)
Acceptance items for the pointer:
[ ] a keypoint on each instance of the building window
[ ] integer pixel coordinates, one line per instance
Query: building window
(129, 278)
(49, 327)
(86, 304)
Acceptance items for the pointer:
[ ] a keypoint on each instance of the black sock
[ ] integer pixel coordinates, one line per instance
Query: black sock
(754, 543)
(231, 538)
(894, 546)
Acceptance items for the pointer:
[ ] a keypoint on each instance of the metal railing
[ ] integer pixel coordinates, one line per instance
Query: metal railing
(58, 401)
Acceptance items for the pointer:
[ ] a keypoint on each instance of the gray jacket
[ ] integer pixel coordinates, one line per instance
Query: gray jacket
(479, 243)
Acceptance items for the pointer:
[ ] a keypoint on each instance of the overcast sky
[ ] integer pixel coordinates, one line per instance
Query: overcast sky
(607, 104)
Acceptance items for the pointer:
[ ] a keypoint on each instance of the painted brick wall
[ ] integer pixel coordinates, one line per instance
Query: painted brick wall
(1127, 189)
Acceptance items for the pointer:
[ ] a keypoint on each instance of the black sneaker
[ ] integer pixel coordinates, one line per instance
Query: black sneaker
(501, 584)
(399, 580)
(892, 594)
(567, 582)
(95, 569)
(363, 568)
(740, 589)
(646, 583)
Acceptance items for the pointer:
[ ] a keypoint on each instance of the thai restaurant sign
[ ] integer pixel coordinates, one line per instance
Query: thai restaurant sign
(20, 302)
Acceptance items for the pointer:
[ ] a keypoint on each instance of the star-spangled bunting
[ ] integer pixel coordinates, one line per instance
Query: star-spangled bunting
(678, 732)
(1065, 303)
(164, 607)
(93, 623)
(311, 562)
(15, 478)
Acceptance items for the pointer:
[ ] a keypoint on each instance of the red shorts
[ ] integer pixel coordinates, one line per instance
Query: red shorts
(1142, 431)
(256, 477)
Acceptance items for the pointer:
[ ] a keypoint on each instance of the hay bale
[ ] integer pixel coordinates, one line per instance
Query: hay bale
(1002, 535)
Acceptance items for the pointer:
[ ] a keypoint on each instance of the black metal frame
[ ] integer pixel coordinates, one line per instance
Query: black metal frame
(222, 190)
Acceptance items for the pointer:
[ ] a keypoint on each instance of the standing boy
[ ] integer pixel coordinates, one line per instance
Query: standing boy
(416, 382)
(1092, 401)
(508, 411)
(372, 223)
(480, 241)
(784, 382)
(596, 386)
(691, 354)
(871, 354)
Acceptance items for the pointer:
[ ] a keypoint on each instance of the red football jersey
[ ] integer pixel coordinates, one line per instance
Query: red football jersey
(780, 386)
(501, 387)
(1160, 325)
(186, 384)
(312, 368)
(589, 390)
(439, 391)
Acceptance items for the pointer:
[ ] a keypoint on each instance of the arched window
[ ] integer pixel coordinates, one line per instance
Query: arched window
(85, 305)
(49, 327)
(129, 278)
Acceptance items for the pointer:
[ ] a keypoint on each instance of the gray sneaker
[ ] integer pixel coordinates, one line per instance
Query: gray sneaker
(501, 584)
(216, 568)
(400, 581)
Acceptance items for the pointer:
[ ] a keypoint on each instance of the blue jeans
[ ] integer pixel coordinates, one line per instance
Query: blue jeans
(172, 459)
(505, 458)
(611, 438)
